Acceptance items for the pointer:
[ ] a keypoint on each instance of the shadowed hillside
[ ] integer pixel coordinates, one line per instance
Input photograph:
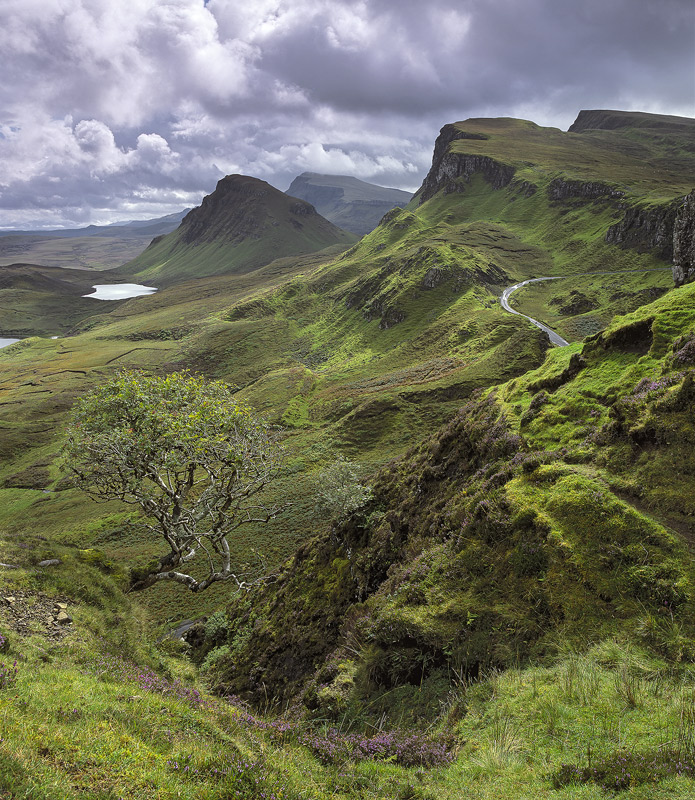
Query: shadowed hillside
(353, 205)
(244, 224)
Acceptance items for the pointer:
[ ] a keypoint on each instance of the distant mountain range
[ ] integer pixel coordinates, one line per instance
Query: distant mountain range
(135, 227)
(350, 204)
(353, 205)
(92, 247)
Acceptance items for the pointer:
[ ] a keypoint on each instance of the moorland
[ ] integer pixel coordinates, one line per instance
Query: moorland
(508, 615)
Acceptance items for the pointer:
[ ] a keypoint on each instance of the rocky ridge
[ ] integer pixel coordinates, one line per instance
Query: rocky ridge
(240, 208)
(448, 166)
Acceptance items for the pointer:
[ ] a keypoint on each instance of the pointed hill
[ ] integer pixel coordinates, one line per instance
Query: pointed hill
(244, 224)
(352, 204)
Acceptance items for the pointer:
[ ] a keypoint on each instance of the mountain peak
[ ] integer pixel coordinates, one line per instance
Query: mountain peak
(240, 208)
(243, 225)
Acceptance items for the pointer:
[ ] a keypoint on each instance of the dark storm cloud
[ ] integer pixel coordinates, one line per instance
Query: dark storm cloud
(137, 107)
(420, 58)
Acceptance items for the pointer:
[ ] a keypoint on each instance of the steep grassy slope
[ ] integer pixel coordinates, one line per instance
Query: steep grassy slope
(464, 559)
(551, 513)
(244, 224)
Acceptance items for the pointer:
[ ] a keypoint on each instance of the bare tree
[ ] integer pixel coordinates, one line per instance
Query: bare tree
(185, 451)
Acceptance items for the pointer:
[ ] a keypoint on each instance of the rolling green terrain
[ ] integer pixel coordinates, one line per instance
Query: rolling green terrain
(516, 596)
(46, 301)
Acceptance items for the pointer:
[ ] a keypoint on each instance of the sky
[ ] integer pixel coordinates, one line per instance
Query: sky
(130, 109)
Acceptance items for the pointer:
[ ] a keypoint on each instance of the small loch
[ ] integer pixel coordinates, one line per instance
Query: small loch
(119, 291)
(5, 342)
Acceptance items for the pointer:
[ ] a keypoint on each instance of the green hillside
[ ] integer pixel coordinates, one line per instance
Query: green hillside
(509, 615)
(244, 224)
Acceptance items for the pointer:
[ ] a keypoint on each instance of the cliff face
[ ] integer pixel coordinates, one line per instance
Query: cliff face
(643, 228)
(566, 189)
(448, 166)
(684, 242)
(646, 229)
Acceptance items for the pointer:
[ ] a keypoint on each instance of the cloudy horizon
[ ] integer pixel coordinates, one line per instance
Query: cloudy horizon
(130, 109)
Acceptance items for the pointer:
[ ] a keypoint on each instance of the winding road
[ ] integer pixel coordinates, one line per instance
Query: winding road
(555, 338)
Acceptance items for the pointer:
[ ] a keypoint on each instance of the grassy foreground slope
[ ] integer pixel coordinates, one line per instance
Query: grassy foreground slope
(522, 580)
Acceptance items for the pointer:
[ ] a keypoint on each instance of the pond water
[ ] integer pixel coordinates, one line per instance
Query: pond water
(5, 342)
(119, 291)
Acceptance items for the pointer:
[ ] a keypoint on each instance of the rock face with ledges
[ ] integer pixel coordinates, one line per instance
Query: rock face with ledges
(684, 242)
(646, 228)
(447, 166)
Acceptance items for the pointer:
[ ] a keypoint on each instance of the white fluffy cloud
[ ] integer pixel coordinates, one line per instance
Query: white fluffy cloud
(110, 109)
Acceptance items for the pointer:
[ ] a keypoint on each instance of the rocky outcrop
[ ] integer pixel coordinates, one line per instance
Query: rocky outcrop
(684, 242)
(238, 210)
(448, 166)
(646, 228)
(566, 189)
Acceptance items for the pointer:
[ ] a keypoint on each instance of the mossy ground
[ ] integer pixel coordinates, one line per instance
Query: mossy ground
(82, 724)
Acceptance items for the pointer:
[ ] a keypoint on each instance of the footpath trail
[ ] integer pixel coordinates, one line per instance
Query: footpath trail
(555, 337)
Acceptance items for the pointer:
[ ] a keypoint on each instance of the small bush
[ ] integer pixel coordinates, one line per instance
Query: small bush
(213, 658)
(216, 627)
(339, 491)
